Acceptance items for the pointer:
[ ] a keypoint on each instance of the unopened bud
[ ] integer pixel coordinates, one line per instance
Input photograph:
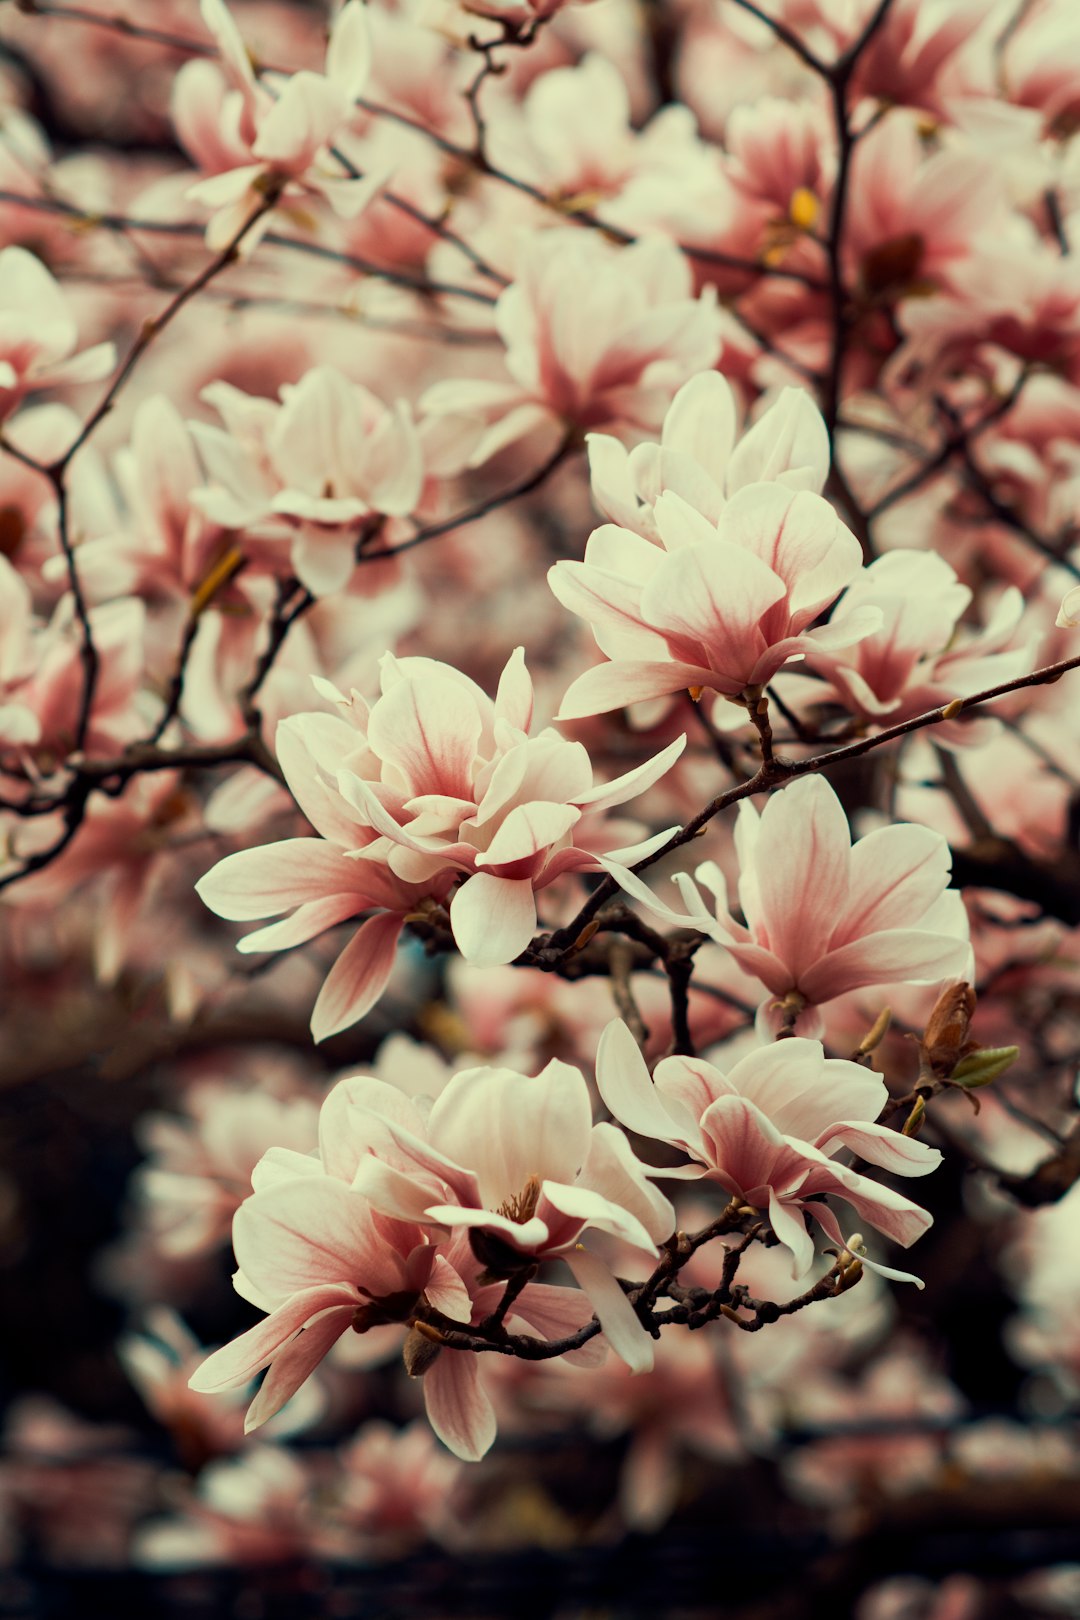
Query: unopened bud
(422, 1348)
(946, 1032)
(915, 1118)
(876, 1033)
(979, 1068)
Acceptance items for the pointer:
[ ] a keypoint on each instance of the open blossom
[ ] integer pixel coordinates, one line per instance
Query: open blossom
(702, 457)
(38, 334)
(300, 478)
(919, 659)
(574, 135)
(596, 337)
(434, 796)
(823, 915)
(915, 219)
(41, 678)
(767, 1131)
(254, 1509)
(317, 1255)
(200, 1166)
(719, 604)
(258, 145)
(393, 1491)
(517, 1164)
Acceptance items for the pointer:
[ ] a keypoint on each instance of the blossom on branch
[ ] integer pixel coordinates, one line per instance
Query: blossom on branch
(433, 800)
(300, 479)
(516, 1164)
(702, 457)
(38, 333)
(767, 1132)
(720, 604)
(596, 337)
(919, 659)
(319, 1257)
(258, 147)
(824, 916)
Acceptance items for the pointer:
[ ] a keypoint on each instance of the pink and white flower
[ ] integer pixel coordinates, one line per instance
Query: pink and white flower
(434, 796)
(38, 333)
(767, 1132)
(319, 1258)
(719, 604)
(259, 146)
(595, 337)
(824, 916)
(299, 479)
(702, 457)
(919, 659)
(516, 1162)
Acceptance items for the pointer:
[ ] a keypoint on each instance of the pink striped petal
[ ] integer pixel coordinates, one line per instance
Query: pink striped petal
(358, 977)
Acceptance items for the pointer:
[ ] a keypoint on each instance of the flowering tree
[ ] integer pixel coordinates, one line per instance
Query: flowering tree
(566, 518)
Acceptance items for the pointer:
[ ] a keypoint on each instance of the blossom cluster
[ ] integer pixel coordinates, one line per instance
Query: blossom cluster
(567, 522)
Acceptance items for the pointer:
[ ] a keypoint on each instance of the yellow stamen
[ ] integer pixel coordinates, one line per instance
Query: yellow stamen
(803, 209)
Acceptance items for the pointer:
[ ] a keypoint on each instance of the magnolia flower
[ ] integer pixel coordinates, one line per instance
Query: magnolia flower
(699, 459)
(393, 1490)
(316, 1257)
(200, 1164)
(434, 796)
(306, 473)
(517, 1163)
(257, 1509)
(263, 146)
(41, 679)
(38, 333)
(595, 337)
(717, 604)
(918, 659)
(767, 1132)
(824, 916)
(319, 1258)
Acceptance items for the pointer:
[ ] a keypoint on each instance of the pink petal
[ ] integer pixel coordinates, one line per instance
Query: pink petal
(801, 867)
(792, 1233)
(624, 1083)
(527, 829)
(622, 1329)
(428, 732)
(614, 685)
(897, 873)
(307, 922)
(296, 1362)
(606, 794)
(801, 1092)
(877, 1144)
(263, 882)
(309, 1230)
(904, 955)
(508, 1127)
(457, 1407)
(358, 977)
(234, 1364)
(514, 698)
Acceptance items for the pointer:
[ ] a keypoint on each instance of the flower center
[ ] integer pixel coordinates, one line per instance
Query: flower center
(522, 1206)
